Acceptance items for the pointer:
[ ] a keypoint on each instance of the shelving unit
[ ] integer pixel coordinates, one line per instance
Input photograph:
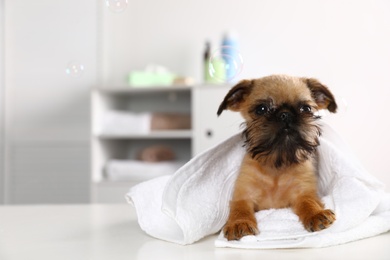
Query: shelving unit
(201, 102)
(126, 145)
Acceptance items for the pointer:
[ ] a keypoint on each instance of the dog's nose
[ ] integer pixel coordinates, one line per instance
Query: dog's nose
(285, 117)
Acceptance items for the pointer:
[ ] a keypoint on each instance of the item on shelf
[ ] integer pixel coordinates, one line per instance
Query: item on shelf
(133, 170)
(152, 75)
(170, 121)
(122, 122)
(214, 66)
(230, 54)
(206, 60)
(156, 153)
(183, 81)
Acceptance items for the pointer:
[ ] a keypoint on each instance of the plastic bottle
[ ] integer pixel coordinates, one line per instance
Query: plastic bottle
(206, 60)
(214, 66)
(229, 52)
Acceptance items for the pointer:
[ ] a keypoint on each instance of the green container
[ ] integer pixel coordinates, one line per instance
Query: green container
(145, 79)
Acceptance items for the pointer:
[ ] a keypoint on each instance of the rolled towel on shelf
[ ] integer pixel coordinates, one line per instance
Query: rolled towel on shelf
(136, 171)
(156, 153)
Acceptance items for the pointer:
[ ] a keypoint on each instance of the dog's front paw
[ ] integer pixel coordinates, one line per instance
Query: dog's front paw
(320, 221)
(239, 228)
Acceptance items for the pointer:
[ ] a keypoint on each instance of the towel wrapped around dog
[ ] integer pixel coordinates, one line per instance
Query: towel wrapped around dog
(194, 201)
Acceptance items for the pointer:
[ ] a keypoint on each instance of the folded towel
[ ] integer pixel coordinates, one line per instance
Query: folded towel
(194, 202)
(117, 122)
(133, 170)
(123, 123)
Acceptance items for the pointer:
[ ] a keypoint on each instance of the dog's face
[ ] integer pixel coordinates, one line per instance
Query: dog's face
(280, 114)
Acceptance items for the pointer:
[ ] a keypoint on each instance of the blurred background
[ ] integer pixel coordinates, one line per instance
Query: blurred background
(98, 95)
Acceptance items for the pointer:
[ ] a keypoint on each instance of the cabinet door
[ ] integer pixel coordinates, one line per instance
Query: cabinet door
(209, 129)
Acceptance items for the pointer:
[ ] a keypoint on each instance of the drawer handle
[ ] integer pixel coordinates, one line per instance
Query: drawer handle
(209, 133)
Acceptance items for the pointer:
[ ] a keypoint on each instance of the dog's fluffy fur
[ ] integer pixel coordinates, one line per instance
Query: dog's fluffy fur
(281, 135)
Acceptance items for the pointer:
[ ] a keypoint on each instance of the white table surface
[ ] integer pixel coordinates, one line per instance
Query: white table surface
(112, 232)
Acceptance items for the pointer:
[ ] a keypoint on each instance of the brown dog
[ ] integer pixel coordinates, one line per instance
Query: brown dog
(281, 137)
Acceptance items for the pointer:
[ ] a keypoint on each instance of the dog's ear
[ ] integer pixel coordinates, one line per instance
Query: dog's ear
(236, 96)
(322, 95)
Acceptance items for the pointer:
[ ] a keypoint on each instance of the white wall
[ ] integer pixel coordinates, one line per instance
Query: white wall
(343, 43)
(47, 111)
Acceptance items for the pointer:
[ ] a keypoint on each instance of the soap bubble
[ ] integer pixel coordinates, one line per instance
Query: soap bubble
(225, 63)
(117, 6)
(75, 69)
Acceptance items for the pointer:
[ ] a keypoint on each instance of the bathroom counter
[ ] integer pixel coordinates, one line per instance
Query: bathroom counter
(111, 232)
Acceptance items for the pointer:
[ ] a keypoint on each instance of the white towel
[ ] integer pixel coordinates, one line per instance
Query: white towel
(194, 202)
(137, 171)
(123, 123)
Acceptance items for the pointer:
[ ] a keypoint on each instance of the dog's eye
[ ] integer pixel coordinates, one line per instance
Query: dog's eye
(261, 109)
(305, 109)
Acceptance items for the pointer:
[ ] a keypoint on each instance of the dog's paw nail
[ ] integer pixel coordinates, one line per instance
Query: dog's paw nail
(239, 229)
(321, 220)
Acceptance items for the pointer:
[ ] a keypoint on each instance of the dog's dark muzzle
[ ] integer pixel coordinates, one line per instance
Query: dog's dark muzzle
(287, 118)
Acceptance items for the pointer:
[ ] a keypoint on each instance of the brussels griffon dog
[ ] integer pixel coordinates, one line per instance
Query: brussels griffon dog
(281, 135)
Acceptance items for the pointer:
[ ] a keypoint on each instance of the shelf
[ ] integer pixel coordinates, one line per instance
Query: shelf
(171, 134)
(125, 89)
(141, 90)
